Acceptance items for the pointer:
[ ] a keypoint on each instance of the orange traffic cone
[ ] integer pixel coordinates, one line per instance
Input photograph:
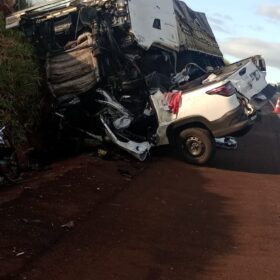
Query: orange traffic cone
(277, 107)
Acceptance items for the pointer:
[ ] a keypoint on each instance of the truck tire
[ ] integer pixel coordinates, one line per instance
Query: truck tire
(196, 145)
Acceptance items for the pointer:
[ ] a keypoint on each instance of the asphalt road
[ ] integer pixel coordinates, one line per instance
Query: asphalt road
(171, 221)
(176, 221)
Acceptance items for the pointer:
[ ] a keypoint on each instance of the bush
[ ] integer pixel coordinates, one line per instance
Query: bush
(20, 97)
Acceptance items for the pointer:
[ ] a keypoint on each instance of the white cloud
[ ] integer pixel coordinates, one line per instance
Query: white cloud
(257, 28)
(270, 11)
(222, 16)
(245, 47)
(219, 23)
(219, 28)
(216, 20)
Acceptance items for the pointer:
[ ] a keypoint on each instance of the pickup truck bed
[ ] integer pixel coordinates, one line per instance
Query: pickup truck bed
(248, 76)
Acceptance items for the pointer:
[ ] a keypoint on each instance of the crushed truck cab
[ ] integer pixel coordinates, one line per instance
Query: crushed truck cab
(142, 73)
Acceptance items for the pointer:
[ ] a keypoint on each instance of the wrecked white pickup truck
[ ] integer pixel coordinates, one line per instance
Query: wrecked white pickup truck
(141, 73)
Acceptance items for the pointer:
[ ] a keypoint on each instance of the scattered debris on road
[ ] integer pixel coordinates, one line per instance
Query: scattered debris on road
(69, 225)
(20, 254)
(71, 189)
(228, 143)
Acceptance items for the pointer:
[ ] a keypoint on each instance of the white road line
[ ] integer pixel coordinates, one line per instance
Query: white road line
(271, 103)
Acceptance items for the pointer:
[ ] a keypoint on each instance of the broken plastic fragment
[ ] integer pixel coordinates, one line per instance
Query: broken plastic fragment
(122, 123)
(102, 153)
(112, 103)
(20, 254)
(227, 143)
(69, 225)
(138, 150)
(211, 78)
(261, 97)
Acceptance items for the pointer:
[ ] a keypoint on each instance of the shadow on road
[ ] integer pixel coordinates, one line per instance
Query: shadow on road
(165, 226)
(32, 213)
(258, 151)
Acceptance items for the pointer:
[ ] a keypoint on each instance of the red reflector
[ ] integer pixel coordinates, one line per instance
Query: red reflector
(225, 90)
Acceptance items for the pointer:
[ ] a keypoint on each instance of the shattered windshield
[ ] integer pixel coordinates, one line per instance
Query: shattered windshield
(20, 5)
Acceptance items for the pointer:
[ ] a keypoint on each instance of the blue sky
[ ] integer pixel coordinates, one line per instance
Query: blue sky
(244, 28)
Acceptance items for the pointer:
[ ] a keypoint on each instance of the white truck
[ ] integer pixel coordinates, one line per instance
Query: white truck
(153, 67)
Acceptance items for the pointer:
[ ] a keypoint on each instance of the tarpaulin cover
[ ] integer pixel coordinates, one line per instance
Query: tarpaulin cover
(194, 31)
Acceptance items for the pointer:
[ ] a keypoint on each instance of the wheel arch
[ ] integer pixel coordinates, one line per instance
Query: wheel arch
(177, 127)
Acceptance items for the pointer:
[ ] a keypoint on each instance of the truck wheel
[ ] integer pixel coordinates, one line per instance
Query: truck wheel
(196, 145)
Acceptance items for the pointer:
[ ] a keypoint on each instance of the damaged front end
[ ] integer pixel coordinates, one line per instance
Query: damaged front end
(114, 55)
(116, 117)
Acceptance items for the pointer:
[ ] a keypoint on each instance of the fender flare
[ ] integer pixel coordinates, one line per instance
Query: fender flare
(176, 127)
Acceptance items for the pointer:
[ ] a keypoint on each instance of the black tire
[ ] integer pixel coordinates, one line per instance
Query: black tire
(196, 145)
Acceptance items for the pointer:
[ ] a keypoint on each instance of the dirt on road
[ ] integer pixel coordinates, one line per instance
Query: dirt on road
(159, 220)
(40, 212)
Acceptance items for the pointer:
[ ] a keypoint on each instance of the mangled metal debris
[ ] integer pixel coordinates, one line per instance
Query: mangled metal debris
(75, 70)
(227, 143)
(139, 150)
(141, 74)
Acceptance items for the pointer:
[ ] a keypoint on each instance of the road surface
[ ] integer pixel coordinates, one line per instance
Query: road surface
(169, 221)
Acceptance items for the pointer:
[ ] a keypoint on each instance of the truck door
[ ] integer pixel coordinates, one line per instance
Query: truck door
(154, 22)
